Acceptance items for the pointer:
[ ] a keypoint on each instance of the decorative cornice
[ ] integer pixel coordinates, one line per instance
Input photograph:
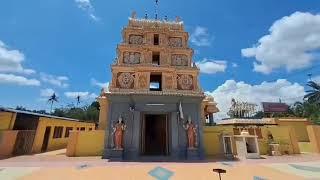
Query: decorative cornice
(155, 93)
(264, 121)
(155, 21)
(158, 67)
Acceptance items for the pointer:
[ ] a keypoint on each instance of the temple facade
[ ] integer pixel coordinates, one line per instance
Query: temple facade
(154, 106)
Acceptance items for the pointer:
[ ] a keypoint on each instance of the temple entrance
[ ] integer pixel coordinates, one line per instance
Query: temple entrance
(154, 135)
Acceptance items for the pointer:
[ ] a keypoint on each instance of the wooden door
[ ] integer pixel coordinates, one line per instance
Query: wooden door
(24, 142)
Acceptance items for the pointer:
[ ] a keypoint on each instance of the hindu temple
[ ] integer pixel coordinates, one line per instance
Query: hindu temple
(154, 106)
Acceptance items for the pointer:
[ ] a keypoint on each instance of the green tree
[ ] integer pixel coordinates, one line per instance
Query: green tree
(307, 110)
(89, 113)
(53, 98)
(313, 95)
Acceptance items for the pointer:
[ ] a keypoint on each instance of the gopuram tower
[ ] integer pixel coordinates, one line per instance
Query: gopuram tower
(154, 106)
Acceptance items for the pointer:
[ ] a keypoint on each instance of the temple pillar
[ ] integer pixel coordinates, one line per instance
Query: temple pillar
(211, 121)
(103, 113)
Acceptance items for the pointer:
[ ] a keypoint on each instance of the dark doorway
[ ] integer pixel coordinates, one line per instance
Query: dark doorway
(155, 58)
(155, 135)
(46, 139)
(156, 39)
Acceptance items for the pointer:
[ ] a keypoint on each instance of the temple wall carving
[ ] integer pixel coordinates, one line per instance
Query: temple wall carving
(165, 58)
(114, 80)
(143, 79)
(149, 38)
(131, 57)
(148, 55)
(135, 39)
(175, 42)
(185, 82)
(168, 81)
(166, 38)
(179, 60)
(125, 80)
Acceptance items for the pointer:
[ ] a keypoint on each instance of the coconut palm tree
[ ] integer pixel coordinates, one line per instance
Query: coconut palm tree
(78, 100)
(53, 98)
(313, 95)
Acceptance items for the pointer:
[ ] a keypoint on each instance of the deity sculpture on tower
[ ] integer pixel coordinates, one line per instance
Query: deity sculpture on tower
(118, 131)
(191, 133)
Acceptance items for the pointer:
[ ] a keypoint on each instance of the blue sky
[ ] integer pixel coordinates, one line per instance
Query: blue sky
(67, 46)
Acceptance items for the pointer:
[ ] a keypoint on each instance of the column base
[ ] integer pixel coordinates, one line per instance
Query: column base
(192, 154)
(116, 155)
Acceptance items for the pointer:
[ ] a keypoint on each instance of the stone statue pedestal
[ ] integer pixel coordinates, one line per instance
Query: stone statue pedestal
(116, 155)
(192, 154)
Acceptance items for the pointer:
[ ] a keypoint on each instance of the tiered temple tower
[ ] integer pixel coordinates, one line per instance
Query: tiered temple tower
(154, 89)
(154, 58)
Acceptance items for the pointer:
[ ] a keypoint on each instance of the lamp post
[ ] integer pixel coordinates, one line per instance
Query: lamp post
(219, 171)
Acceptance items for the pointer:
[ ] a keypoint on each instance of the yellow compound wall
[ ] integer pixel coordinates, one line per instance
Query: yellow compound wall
(55, 143)
(212, 139)
(314, 135)
(285, 136)
(299, 126)
(89, 143)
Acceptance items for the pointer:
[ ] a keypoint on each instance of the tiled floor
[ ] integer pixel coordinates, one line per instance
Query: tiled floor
(53, 166)
(309, 170)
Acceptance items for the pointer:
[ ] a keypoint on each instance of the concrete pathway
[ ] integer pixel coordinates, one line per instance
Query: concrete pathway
(52, 166)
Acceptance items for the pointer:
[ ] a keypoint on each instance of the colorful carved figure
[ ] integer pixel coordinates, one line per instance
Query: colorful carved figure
(191, 133)
(118, 131)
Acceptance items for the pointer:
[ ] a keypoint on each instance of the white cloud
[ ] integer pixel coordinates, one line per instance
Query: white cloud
(234, 65)
(86, 6)
(47, 92)
(11, 60)
(316, 79)
(293, 43)
(18, 80)
(59, 81)
(265, 92)
(208, 66)
(200, 37)
(10, 64)
(104, 85)
(83, 95)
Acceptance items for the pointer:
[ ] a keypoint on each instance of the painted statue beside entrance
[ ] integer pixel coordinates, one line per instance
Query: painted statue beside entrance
(191, 134)
(118, 131)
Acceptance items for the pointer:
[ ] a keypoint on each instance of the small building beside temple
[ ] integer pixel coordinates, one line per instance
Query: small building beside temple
(23, 132)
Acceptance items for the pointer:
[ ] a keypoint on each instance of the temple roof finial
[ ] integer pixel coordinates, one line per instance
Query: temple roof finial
(156, 9)
(146, 15)
(134, 15)
(178, 19)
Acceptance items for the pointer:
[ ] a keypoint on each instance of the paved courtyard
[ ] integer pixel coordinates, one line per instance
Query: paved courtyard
(55, 165)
